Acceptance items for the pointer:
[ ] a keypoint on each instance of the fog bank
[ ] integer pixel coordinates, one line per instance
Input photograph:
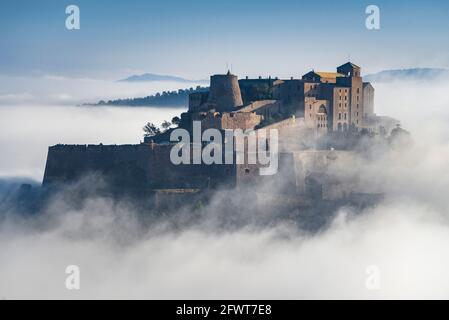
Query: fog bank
(405, 238)
(26, 132)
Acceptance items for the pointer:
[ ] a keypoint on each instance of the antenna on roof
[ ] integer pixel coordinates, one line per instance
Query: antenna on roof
(349, 57)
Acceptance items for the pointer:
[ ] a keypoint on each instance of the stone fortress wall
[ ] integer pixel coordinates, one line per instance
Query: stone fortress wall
(131, 167)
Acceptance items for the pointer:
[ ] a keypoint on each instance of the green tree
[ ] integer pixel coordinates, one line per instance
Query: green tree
(166, 125)
(151, 130)
(176, 121)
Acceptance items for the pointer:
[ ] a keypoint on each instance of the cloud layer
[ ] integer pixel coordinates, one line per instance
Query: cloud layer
(405, 237)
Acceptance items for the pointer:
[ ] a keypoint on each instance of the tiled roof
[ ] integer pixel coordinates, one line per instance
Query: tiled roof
(350, 64)
(329, 74)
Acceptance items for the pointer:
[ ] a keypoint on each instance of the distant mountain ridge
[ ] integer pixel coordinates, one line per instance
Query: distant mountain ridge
(419, 74)
(178, 98)
(151, 77)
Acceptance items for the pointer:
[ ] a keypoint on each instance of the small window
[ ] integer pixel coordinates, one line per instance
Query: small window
(246, 170)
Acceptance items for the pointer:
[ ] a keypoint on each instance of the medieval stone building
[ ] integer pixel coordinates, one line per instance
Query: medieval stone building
(328, 101)
(318, 105)
(346, 101)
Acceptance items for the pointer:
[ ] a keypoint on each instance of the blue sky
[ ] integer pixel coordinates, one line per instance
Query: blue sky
(195, 38)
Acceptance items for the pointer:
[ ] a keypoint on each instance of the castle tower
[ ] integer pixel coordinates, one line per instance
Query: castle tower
(353, 80)
(224, 93)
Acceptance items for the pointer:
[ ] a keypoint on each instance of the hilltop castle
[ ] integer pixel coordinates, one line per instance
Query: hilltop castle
(326, 101)
(315, 116)
(318, 104)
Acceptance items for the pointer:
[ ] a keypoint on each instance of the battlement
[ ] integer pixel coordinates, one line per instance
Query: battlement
(92, 147)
